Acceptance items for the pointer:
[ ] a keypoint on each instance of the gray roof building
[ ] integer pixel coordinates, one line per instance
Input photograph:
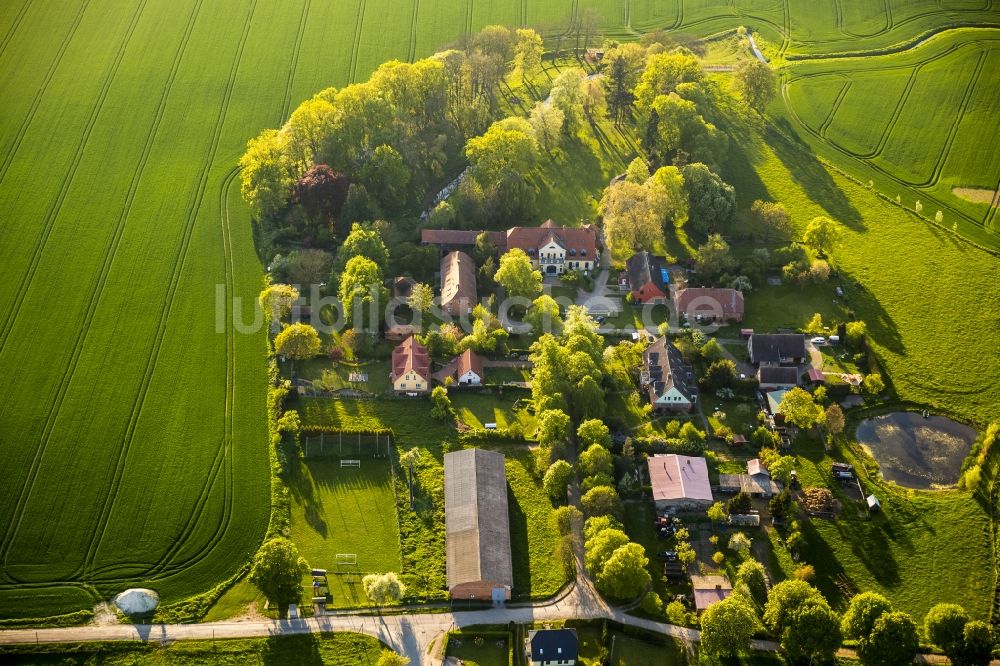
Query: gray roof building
(777, 348)
(477, 528)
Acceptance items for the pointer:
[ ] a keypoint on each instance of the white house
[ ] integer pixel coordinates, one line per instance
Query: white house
(667, 379)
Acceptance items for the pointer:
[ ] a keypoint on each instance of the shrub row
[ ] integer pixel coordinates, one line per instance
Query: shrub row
(500, 435)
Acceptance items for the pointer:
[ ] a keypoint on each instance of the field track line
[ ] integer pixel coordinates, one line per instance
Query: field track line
(469, 11)
(151, 362)
(225, 447)
(13, 26)
(835, 147)
(56, 207)
(352, 68)
(825, 125)
(293, 66)
(163, 566)
(413, 32)
(60, 52)
(50, 420)
(963, 106)
(881, 31)
(679, 15)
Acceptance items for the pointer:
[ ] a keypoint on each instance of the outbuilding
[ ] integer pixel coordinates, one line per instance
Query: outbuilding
(477, 526)
(679, 481)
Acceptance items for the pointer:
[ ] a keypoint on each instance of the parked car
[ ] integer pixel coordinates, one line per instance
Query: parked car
(665, 532)
(668, 555)
(819, 340)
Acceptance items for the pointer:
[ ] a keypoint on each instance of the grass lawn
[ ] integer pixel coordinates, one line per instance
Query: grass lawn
(625, 650)
(477, 409)
(345, 510)
(331, 649)
(479, 650)
(338, 375)
(501, 375)
(235, 601)
(837, 359)
(409, 418)
(925, 547)
(770, 307)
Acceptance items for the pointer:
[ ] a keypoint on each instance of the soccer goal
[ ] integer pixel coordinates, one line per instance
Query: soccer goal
(350, 463)
(346, 562)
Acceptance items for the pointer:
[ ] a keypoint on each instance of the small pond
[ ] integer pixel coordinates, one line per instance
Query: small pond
(916, 452)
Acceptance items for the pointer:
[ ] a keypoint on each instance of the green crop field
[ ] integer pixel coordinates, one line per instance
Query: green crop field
(331, 649)
(918, 124)
(133, 425)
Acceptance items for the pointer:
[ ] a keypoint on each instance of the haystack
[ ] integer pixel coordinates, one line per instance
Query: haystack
(137, 601)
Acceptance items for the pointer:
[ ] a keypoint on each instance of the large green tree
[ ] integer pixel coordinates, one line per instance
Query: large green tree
(727, 627)
(600, 547)
(755, 82)
(298, 342)
(944, 625)
(266, 174)
(362, 241)
(556, 478)
(517, 276)
(595, 461)
(821, 233)
(624, 575)
(360, 286)
(277, 571)
(800, 410)
(508, 148)
(601, 501)
(711, 201)
(631, 218)
(865, 608)
(892, 642)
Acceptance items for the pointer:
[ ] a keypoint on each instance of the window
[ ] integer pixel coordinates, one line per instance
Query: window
(403, 385)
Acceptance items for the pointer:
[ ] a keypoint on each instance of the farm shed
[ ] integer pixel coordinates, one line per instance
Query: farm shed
(777, 377)
(477, 528)
(710, 590)
(679, 481)
(777, 348)
(873, 504)
(458, 283)
(709, 304)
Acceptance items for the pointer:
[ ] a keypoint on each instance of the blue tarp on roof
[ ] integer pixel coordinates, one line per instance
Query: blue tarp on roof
(665, 275)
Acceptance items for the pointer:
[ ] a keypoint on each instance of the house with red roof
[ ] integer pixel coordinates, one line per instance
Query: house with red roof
(467, 369)
(646, 277)
(411, 368)
(458, 283)
(709, 304)
(679, 481)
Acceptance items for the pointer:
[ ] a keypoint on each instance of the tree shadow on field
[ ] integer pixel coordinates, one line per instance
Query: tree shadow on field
(303, 489)
(811, 175)
(881, 327)
(299, 649)
(519, 550)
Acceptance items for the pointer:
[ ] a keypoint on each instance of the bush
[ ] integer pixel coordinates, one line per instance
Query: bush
(652, 604)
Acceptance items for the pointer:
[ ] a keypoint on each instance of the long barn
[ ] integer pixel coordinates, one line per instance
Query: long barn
(477, 527)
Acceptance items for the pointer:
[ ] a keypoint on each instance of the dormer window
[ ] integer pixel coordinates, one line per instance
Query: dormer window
(572, 252)
(583, 253)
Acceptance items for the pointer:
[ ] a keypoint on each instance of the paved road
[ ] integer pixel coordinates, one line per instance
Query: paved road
(410, 634)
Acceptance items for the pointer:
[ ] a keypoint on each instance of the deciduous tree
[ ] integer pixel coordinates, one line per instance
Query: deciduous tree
(624, 575)
(266, 174)
(593, 431)
(557, 476)
(727, 627)
(277, 571)
(547, 124)
(322, 192)
(601, 501)
(309, 267)
(596, 460)
(360, 285)
(892, 642)
(755, 82)
(799, 409)
(277, 300)
(298, 342)
(773, 218)
(711, 201)
(421, 297)
(517, 276)
(382, 589)
(631, 219)
(821, 233)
